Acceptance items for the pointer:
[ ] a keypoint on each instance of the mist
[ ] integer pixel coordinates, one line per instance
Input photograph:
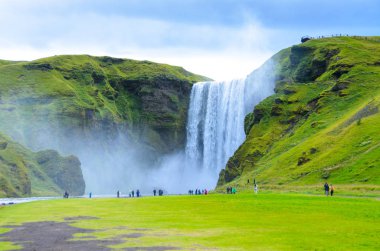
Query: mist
(114, 159)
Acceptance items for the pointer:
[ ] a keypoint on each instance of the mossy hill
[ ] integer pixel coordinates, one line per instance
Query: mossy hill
(27, 173)
(69, 103)
(99, 96)
(322, 123)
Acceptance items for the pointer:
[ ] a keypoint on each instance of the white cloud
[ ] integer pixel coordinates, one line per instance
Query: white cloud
(215, 51)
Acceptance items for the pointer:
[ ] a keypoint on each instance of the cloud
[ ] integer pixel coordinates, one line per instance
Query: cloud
(49, 27)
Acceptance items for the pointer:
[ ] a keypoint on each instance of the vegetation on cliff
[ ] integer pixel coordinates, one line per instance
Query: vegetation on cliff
(88, 106)
(81, 92)
(322, 123)
(27, 173)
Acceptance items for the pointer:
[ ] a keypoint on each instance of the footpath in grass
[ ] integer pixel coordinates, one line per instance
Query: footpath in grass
(217, 222)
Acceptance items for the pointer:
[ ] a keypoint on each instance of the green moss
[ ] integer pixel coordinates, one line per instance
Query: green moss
(82, 89)
(323, 87)
(26, 173)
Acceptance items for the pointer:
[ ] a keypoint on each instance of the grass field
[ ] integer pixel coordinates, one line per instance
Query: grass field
(212, 222)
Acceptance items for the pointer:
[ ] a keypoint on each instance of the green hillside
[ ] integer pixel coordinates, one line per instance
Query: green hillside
(87, 105)
(323, 122)
(27, 173)
(85, 95)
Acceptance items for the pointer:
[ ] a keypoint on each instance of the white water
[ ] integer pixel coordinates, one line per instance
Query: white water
(216, 115)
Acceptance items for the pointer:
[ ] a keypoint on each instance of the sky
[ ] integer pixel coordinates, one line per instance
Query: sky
(220, 39)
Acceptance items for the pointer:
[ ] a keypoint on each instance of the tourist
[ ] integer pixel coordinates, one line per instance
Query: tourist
(90, 195)
(118, 194)
(256, 188)
(233, 190)
(66, 195)
(133, 193)
(326, 186)
(206, 191)
(138, 193)
(154, 192)
(331, 189)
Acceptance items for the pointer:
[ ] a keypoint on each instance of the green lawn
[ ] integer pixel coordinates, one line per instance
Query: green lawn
(221, 222)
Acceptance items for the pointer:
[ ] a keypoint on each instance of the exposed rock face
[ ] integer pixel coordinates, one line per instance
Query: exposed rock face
(64, 171)
(25, 173)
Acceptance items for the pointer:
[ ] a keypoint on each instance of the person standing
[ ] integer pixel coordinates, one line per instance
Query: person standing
(256, 189)
(154, 192)
(331, 189)
(118, 194)
(326, 186)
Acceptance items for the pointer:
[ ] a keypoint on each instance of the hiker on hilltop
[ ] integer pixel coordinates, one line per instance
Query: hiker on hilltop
(331, 189)
(326, 186)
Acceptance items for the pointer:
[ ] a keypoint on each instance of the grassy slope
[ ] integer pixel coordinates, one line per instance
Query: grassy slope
(67, 98)
(222, 222)
(322, 124)
(82, 90)
(45, 173)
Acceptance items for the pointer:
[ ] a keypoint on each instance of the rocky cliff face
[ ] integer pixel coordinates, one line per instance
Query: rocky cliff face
(96, 97)
(320, 123)
(103, 110)
(26, 173)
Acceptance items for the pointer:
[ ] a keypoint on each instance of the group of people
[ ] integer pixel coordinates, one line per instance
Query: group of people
(198, 192)
(231, 190)
(132, 193)
(329, 189)
(160, 192)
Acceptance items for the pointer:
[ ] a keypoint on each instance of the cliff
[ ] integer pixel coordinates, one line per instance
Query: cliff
(45, 173)
(321, 125)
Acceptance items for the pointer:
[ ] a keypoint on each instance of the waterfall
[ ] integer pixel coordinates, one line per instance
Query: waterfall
(215, 127)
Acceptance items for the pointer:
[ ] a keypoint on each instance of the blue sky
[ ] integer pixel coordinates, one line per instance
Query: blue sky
(222, 39)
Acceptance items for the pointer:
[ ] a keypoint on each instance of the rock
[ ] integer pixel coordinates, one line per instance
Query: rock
(258, 115)
(313, 150)
(276, 111)
(3, 145)
(288, 91)
(64, 171)
(39, 66)
(278, 101)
